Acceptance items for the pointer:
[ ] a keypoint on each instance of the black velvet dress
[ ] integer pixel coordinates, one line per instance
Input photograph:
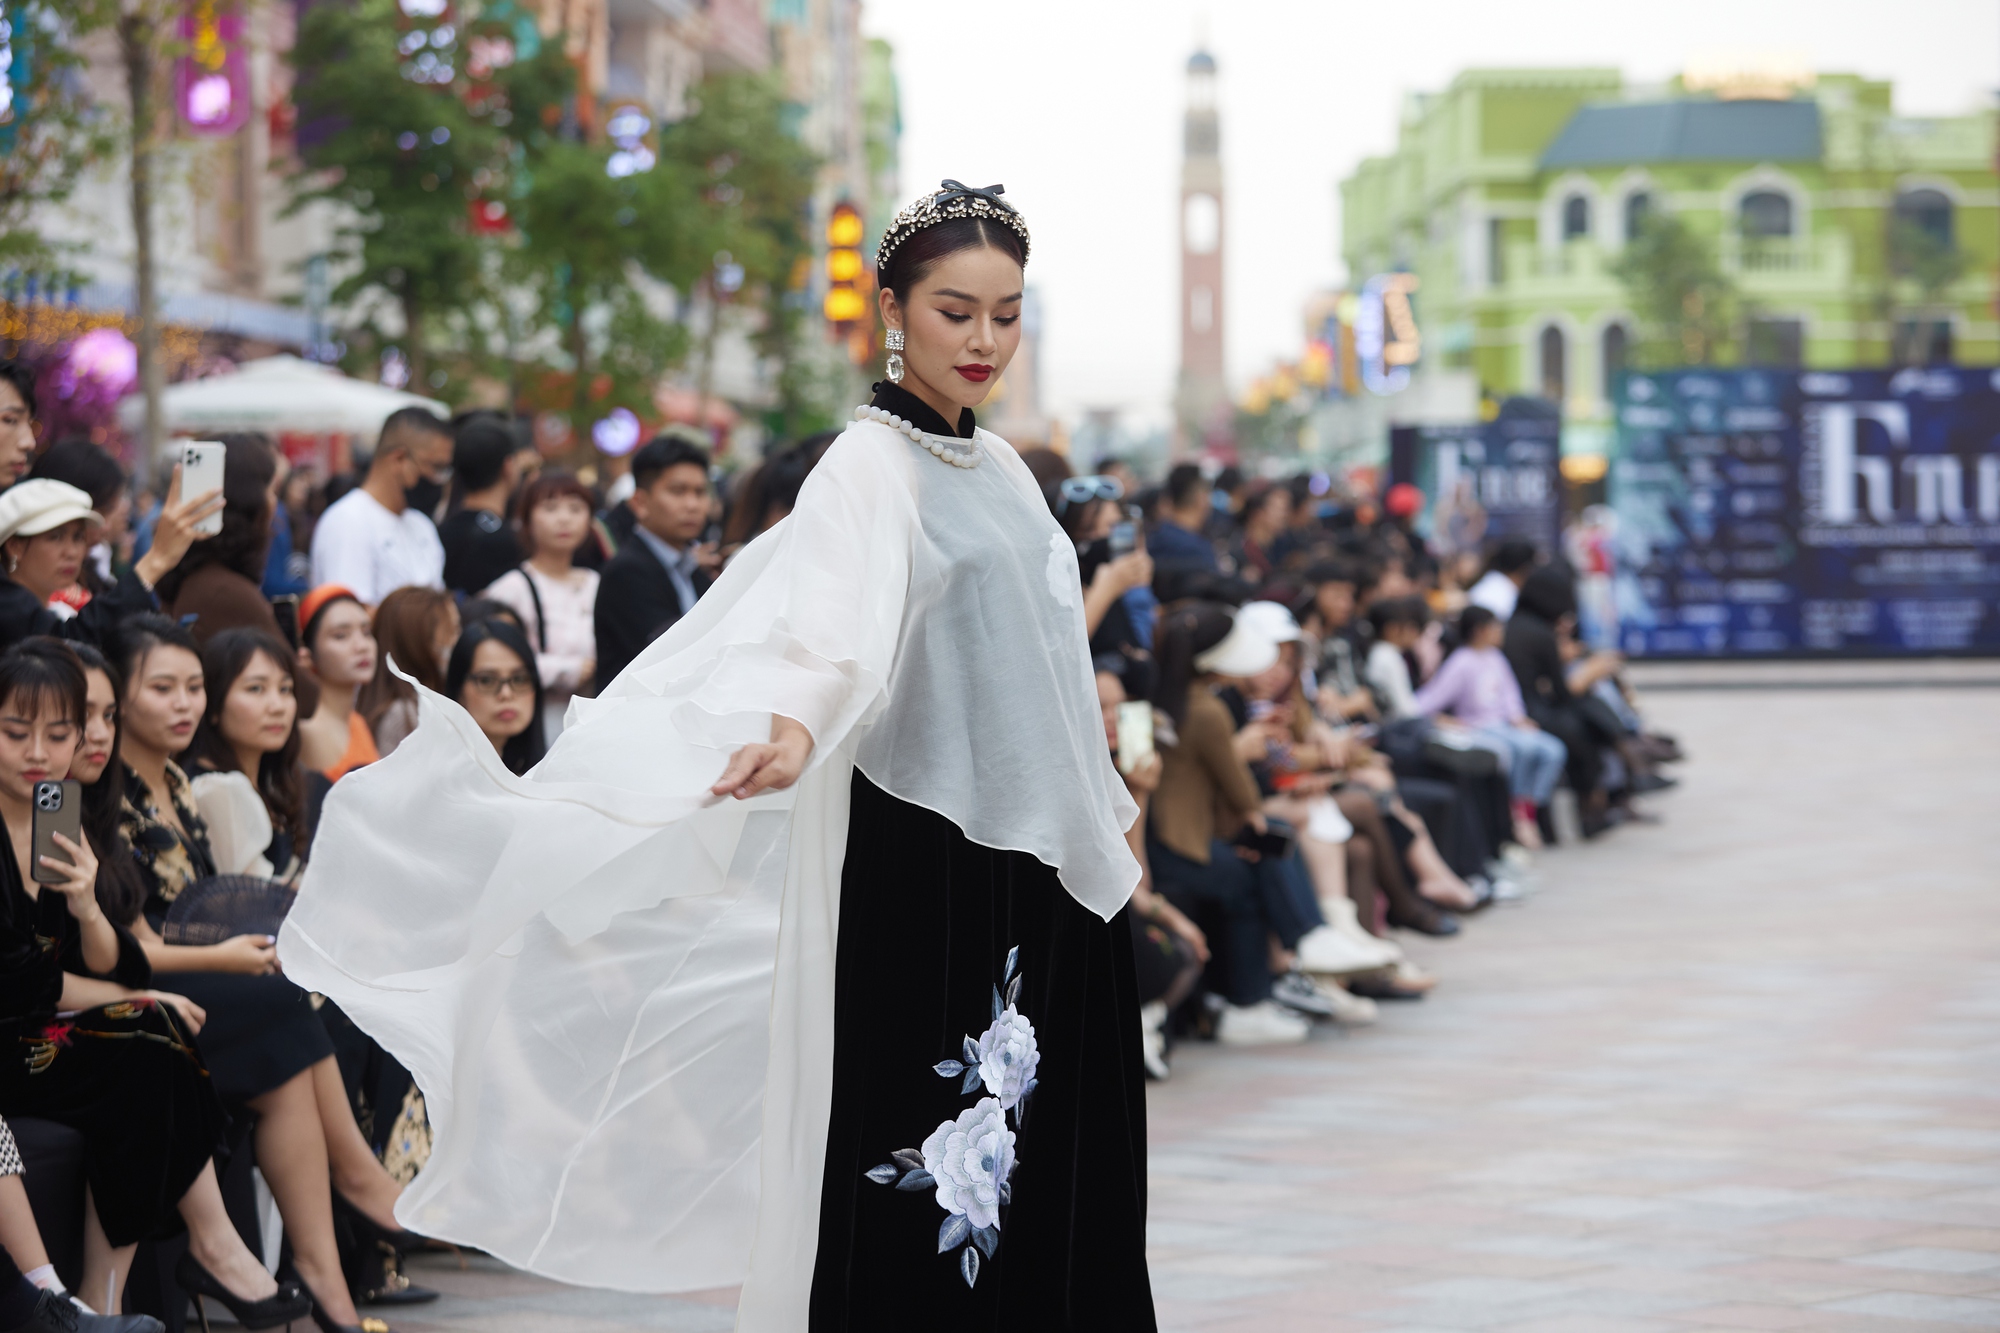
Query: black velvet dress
(123, 1075)
(986, 1047)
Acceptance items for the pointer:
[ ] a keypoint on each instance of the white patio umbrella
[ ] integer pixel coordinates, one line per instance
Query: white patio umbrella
(274, 394)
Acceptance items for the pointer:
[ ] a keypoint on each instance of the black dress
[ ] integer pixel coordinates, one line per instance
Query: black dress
(123, 1075)
(261, 1031)
(946, 946)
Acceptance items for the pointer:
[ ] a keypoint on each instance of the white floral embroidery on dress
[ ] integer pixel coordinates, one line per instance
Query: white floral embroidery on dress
(970, 1160)
(1064, 581)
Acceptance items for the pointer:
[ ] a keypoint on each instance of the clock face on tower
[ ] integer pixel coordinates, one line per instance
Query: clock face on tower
(1201, 224)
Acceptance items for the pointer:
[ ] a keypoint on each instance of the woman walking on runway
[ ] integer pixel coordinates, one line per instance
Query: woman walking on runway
(853, 1023)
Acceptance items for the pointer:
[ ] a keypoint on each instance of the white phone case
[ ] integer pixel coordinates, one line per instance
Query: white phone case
(201, 474)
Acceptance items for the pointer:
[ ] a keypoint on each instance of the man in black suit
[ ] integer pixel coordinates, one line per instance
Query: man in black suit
(657, 575)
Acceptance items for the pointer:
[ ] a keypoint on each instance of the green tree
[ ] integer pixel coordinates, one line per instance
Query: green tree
(48, 131)
(1685, 302)
(401, 127)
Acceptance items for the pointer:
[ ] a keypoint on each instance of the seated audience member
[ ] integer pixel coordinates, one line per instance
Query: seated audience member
(46, 531)
(119, 1065)
(1477, 687)
(337, 645)
(266, 1048)
(772, 490)
(372, 541)
(1341, 685)
(1206, 792)
(1533, 647)
(1267, 512)
(1184, 562)
(243, 763)
(1169, 948)
(555, 600)
(1399, 622)
(479, 543)
(414, 630)
(657, 575)
(1499, 587)
(492, 673)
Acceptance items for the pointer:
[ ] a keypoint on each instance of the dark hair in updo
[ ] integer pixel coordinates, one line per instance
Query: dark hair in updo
(916, 257)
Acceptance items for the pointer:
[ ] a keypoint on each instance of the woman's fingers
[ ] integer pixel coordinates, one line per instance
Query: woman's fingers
(742, 765)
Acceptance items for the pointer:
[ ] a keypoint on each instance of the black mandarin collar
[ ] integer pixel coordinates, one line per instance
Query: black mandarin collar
(895, 398)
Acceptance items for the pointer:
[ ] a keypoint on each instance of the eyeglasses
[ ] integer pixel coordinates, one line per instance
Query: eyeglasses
(493, 683)
(1080, 490)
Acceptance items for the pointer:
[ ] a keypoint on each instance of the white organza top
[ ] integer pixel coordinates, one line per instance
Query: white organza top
(614, 990)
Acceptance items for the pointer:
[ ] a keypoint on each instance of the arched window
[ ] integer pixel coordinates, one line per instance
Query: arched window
(1614, 354)
(1637, 205)
(1926, 211)
(1765, 213)
(1576, 217)
(1554, 372)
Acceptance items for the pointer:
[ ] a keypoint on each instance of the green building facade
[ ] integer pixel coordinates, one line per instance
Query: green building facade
(1849, 236)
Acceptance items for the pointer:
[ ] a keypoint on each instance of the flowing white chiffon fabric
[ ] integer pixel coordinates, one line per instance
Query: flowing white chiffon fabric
(615, 991)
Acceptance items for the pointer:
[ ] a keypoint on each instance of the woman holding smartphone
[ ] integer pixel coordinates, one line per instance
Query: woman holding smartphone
(808, 931)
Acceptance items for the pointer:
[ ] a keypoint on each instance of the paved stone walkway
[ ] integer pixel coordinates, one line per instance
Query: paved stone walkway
(1738, 1070)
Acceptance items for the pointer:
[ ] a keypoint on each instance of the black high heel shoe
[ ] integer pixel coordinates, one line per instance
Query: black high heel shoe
(289, 1303)
(381, 1252)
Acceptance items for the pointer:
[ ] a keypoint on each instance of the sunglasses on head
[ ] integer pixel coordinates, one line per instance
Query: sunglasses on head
(1082, 490)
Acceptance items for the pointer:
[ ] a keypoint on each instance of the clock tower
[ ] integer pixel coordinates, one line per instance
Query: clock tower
(1201, 398)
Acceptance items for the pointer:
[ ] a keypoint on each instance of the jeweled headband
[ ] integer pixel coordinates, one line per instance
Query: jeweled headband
(951, 200)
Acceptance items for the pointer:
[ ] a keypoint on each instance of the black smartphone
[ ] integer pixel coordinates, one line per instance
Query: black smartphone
(286, 610)
(58, 809)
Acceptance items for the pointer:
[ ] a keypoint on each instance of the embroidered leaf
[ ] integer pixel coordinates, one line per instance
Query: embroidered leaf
(968, 1265)
(971, 1051)
(987, 1239)
(1013, 990)
(997, 1006)
(953, 1231)
(972, 1080)
(1013, 958)
(948, 1068)
(883, 1174)
(910, 1158)
(918, 1179)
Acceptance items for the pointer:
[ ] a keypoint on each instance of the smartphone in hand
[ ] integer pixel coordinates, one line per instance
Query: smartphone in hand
(58, 809)
(201, 476)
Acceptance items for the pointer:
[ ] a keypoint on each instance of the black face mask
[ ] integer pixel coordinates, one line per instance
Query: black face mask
(425, 496)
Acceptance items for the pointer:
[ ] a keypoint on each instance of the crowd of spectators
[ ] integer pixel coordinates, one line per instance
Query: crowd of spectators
(1333, 737)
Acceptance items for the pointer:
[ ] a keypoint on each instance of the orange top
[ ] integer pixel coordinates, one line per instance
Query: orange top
(360, 749)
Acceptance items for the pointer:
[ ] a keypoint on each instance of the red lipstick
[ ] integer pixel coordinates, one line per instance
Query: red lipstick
(977, 374)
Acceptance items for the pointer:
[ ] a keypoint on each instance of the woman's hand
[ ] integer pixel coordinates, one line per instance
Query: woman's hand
(251, 955)
(1117, 577)
(78, 884)
(191, 1015)
(1171, 917)
(173, 531)
(771, 766)
(1253, 742)
(1145, 779)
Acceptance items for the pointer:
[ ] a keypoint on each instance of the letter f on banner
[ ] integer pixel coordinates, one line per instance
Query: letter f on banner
(1838, 428)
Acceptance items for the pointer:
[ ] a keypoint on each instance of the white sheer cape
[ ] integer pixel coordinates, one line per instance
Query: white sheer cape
(616, 992)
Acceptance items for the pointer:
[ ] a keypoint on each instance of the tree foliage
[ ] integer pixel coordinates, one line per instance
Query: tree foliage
(1686, 304)
(49, 132)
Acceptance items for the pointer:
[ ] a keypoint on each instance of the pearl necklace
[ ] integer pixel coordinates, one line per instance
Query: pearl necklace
(957, 453)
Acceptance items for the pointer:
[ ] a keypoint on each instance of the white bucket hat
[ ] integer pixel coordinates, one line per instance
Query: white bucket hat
(1244, 651)
(1273, 619)
(41, 505)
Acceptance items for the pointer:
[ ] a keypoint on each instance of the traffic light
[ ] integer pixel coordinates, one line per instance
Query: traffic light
(846, 278)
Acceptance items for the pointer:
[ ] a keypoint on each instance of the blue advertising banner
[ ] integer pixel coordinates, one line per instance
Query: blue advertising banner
(1499, 477)
(1808, 512)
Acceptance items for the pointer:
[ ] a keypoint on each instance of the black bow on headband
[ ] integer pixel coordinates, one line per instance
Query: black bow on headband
(953, 191)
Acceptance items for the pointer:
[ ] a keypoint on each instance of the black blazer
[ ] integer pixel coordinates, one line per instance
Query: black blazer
(97, 624)
(636, 602)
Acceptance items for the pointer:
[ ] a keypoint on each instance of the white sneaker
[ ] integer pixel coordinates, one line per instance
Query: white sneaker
(1264, 1023)
(1340, 914)
(1153, 1039)
(1334, 953)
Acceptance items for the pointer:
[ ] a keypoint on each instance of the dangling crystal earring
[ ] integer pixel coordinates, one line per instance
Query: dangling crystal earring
(893, 340)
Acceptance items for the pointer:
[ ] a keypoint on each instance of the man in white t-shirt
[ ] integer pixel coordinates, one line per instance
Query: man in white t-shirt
(1500, 587)
(370, 540)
